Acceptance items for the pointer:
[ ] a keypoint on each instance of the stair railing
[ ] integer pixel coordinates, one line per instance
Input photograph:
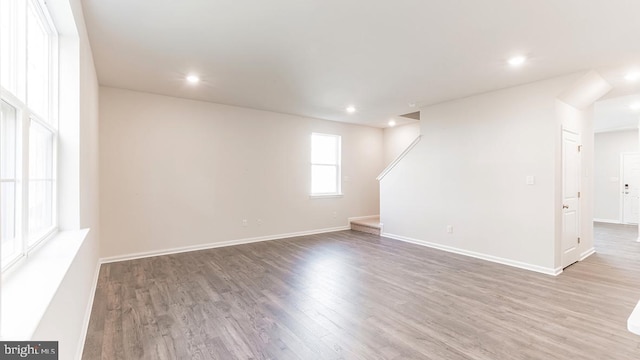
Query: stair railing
(399, 158)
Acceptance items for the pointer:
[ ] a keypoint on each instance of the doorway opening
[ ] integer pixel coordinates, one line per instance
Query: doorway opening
(616, 175)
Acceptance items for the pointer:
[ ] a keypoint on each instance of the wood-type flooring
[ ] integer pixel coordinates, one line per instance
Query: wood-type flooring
(351, 295)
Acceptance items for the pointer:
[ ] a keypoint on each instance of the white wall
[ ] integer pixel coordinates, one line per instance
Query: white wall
(608, 146)
(397, 139)
(66, 316)
(177, 173)
(469, 171)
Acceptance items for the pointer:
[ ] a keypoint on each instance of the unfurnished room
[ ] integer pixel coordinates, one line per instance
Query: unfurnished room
(319, 179)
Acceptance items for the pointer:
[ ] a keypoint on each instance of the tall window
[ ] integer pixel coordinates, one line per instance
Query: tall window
(28, 127)
(325, 164)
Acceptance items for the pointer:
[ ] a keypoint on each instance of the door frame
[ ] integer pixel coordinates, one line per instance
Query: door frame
(579, 199)
(621, 185)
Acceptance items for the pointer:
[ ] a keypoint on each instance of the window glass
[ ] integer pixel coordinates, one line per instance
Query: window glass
(8, 141)
(38, 41)
(27, 130)
(40, 152)
(325, 164)
(11, 246)
(324, 149)
(40, 180)
(324, 179)
(12, 46)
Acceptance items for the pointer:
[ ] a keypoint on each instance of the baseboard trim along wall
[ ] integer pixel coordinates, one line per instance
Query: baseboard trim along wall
(87, 315)
(587, 253)
(182, 249)
(608, 221)
(481, 256)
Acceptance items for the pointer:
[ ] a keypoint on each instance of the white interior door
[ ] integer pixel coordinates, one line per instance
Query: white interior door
(570, 197)
(630, 168)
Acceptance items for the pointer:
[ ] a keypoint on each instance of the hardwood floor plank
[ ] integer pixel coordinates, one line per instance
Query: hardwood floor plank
(351, 295)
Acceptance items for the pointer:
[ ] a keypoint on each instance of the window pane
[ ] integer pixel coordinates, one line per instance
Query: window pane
(324, 149)
(12, 46)
(40, 181)
(40, 208)
(7, 141)
(38, 64)
(40, 152)
(324, 179)
(10, 245)
(27, 65)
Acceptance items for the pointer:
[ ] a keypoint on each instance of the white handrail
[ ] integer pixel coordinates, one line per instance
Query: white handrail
(400, 157)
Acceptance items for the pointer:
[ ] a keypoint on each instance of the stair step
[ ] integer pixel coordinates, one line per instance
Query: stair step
(369, 226)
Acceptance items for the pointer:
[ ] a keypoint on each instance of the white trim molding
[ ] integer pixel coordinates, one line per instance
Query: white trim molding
(87, 314)
(607, 221)
(399, 158)
(477, 255)
(587, 253)
(218, 244)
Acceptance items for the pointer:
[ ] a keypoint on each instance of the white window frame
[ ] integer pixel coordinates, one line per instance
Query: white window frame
(24, 118)
(337, 164)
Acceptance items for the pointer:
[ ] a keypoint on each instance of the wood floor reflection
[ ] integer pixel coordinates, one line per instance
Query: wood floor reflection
(350, 295)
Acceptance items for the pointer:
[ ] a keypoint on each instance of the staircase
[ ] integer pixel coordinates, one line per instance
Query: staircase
(369, 225)
(372, 225)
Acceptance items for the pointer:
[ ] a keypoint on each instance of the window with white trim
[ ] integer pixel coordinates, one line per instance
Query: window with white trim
(28, 127)
(325, 164)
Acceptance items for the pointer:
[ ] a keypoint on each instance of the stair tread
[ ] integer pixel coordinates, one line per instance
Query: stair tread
(372, 223)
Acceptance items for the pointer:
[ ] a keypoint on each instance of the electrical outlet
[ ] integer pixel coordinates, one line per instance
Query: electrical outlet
(259, 222)
(335, 214)
(450, 229)
(245, 223)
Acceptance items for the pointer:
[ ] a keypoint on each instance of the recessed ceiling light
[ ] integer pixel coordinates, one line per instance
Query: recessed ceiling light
(193, 79)
(351, 109)
(517, 60)
(632, 76)
(635, 106)
(392, 123)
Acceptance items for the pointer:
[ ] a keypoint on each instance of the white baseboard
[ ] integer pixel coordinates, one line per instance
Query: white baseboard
(349, 220)
(587, 253)
(182, 249)
(608, 221)
(481, 256)
(87, 315)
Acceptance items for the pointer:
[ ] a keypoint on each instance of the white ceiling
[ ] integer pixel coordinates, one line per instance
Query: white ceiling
(315, 57)
(615, 114)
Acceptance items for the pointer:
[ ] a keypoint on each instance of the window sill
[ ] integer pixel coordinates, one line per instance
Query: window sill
(29, 287)
(327, 196)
